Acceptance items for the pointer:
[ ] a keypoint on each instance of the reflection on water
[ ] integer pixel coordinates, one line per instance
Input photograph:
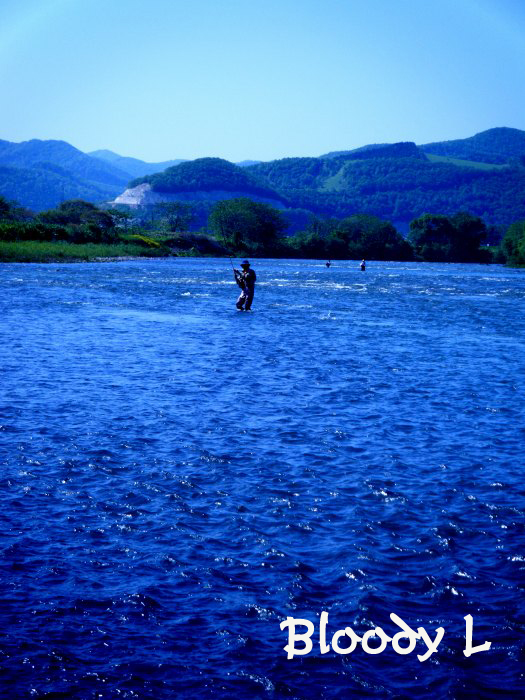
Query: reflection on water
(178, 478)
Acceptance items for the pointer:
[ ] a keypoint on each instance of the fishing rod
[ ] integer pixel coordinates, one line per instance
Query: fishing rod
(231, 262)
(235, 272)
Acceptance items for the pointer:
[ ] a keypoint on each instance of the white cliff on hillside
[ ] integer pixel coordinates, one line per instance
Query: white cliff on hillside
(143, 195)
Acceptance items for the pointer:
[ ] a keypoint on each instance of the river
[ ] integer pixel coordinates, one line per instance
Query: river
(178, 478)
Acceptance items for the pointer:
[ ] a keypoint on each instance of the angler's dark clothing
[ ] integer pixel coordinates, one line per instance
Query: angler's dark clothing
(246, 281)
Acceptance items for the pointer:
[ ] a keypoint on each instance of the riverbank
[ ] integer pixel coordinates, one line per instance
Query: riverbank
(51, 252)
(136, 246)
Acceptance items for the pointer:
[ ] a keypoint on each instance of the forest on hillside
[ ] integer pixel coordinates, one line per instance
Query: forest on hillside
(398, 182)
(205, 175)
(399, 189)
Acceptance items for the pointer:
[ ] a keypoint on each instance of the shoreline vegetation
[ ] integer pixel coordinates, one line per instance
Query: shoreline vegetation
(53, 252)
(79, 231)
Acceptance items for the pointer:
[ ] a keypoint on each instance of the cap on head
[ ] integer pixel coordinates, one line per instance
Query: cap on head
(245, 262)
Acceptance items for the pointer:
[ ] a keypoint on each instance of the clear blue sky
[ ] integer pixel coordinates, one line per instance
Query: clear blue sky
(258, 79)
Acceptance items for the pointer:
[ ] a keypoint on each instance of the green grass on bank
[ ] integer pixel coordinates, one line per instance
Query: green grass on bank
(465, 163)
(46, 251)
(43, 251)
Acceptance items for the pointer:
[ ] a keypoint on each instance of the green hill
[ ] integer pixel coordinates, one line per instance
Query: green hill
(29, 154)
(207, 175)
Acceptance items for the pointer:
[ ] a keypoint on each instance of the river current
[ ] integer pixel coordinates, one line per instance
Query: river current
(178, 478)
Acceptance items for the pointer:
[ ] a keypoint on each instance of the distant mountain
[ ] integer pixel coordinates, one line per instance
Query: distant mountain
(40, 174)
(47, 185)
(139, 168)
(29, 154)
(483, 174)
(500, 145)
(132, 166)
(403, 149)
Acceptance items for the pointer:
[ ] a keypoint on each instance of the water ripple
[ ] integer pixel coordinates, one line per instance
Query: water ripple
(178, 478)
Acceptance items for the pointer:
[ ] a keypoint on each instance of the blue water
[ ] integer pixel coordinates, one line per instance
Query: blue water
(177, 478)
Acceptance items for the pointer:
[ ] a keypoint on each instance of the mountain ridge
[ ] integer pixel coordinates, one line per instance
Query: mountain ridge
(498, 145)
(27, 154)
(133, 166)
(396, 181)
(401, 149)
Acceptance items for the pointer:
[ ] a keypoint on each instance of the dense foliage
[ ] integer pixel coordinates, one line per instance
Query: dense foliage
(74, 221)
(513, 244)
(353, 237)
(449, 239)
(173, 216)
(247, 225)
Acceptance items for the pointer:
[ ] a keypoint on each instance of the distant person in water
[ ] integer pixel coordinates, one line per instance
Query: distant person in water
(363, 265)
(328, 263)
(246, 281)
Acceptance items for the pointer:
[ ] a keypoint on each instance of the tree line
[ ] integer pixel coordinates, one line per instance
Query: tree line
(73, 221)
(246, 227)
(253, 228)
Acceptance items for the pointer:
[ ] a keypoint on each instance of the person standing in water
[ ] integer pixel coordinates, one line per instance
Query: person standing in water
(246, 281)
(363, 265)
